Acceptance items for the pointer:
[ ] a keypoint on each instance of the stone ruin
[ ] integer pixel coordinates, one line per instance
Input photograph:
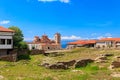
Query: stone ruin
(67, 65)
(83, 62)
(101, 59)
(116, 63)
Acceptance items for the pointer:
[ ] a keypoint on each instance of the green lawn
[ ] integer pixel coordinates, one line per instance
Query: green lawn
(29, 69)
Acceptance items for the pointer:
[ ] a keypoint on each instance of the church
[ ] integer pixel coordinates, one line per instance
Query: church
(44, 43)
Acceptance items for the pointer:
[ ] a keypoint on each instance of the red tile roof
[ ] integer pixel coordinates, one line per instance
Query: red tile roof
(91, 41)
(82, 42)
(110, 39)
(77, 42)
(2, 29)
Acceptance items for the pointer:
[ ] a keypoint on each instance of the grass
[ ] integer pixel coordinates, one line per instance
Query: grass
(29, 69)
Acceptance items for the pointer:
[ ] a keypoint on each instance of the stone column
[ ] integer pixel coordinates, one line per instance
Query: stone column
(5, 41)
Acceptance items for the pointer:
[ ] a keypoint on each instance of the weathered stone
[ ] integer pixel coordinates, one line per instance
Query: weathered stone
(108, 54)
(45, 65)
(58, 66)
(83, 63)
(46, 54)
(11, 57)
(36, 52)
(69, 63)
(66, 65)
(53, 54)
(117, 58)
(115, 64)
(101, 59)
(32, 52)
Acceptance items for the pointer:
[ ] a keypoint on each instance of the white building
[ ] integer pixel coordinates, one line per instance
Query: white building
(108, 43)
(6, 40)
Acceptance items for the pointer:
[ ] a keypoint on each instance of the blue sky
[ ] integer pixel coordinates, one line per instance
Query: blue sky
(74, 19)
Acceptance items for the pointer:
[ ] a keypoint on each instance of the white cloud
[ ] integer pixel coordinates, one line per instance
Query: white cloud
(108, 34)
(100, 37)
(28, 39)
(4, 22)
(63, 1)
(73, 37)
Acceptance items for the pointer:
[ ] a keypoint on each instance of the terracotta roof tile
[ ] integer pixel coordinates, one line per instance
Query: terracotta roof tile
(83, 42)
(110, 39)
(2, 29)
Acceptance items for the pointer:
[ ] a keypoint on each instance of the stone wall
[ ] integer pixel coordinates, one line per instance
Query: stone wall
(30, 52)
(12, 56)
(22, 52)
(36, 52)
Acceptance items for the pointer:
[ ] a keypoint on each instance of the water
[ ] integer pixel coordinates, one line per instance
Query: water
(64, 43)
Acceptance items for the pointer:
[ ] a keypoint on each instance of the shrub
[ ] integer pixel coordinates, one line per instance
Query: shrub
(24, 57)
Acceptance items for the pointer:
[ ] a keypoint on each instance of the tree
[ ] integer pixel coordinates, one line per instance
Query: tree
(18, 36)
(23, 45)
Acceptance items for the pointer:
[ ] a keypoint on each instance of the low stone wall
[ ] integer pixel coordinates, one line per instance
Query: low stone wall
(11, 58)
(22, 52)
(13, 54)
(36, 52)
(30, 52)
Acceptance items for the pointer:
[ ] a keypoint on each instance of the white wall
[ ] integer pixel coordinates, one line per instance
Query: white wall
(6, 33)
(5, 37)
(36, 46)
(100, 44)
(6, 46)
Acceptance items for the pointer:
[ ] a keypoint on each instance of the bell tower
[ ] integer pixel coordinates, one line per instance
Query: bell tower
(58, 38)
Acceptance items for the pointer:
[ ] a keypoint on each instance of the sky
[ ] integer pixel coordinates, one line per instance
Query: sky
(74, 19)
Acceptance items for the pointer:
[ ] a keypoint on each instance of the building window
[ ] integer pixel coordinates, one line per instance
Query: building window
(9, 41)
(48, 47)
(2, 41)
(33, 47)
